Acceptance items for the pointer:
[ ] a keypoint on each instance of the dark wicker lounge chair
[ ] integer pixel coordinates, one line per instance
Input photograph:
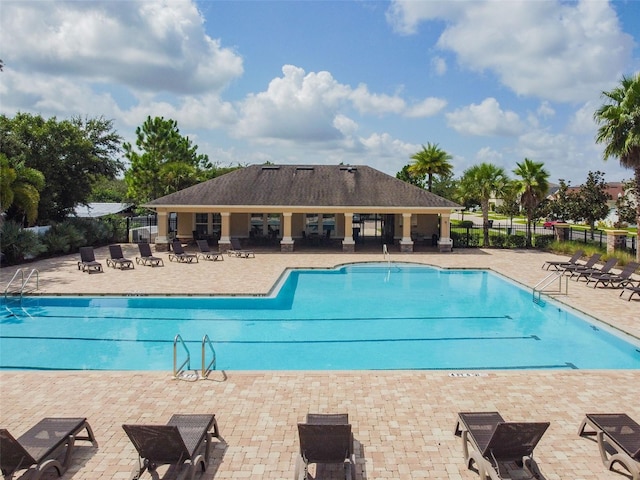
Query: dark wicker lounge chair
(206, 253)
(87, 261)
(586, 272)
(557, 264)
(236, 250)
(325, 438)
(146, 257)
(634, 289)
(42, 447)
(618, 438)
(615, 280)
(178, 443)
(590, 263)
(117, 259)
(180, 255)
(496, 442)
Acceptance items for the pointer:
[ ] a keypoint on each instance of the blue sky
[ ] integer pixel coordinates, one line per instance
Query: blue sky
(326, 82)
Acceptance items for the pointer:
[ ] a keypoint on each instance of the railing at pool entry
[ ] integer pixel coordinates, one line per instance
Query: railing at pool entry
(23, 282)
(385, 254)
(179, 372)
(540, 287)
(212, 364)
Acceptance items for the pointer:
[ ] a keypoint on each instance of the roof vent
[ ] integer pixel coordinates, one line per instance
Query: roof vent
(349, 168)
(271, 167)
(303, 167)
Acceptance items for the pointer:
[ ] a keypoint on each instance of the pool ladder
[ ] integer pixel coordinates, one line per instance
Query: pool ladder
(540, 287)
(180, 372)
(23, 282)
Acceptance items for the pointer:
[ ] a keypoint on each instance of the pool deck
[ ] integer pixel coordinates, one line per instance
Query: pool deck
(403, 421)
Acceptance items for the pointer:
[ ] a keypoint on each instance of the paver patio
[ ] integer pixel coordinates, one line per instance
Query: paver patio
(403, 421)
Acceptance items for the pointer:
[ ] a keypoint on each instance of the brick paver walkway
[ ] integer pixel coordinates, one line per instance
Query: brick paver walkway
(403, 421)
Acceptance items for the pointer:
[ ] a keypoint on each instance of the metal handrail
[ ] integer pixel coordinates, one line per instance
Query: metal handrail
(385, 254)
(212, 364)
(24, 284)
(19, 271)
(177, 371)
(548, 280)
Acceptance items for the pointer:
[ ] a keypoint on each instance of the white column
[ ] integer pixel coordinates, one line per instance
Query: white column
(348, 229)
(286, 228)
(225, 227)
(406, 229)
(163, 226)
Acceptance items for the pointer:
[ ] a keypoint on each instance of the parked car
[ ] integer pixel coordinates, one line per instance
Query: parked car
(551, 223)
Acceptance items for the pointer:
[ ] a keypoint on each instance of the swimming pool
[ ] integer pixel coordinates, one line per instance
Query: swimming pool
(361, 316)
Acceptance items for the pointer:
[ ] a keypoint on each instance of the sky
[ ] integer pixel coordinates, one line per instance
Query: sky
(329, 82)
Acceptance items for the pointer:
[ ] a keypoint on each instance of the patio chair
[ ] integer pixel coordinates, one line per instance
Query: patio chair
(325, 438)
(206, 253)
(87, 261)
(557, 264)
(590, 263)
(42, 446)
(117, 259)
(496, 442)
(634, 289)
(236, 250)
(146, 257)
(180, 255)
(178, 444)
(615, 280)
(586, 272)
(618, 437)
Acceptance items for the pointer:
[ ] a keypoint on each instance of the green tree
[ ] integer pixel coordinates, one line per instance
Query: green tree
(108, 190)
(533, 186)
(406, 176)
(445, 185)
(20, 188)
(484, 181)
(619, 129)
(430, 161)
(626, 205)
(510, 205)
(562, 207)
(69, 153)
(591, 200)
(164, 161)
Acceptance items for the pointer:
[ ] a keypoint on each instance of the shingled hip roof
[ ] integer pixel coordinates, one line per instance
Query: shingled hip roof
(302, 185)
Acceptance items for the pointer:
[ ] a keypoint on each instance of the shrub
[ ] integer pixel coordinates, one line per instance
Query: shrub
(516, 241)
(19, 244)
(542, 241)
(63, 238)
(497, 240)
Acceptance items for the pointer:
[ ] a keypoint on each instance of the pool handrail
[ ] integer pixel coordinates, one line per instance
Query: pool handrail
(212, 365)
(177, 371)
(23, 282)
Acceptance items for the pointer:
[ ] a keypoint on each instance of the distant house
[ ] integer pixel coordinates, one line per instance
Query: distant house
(96, 210)
(291, 203)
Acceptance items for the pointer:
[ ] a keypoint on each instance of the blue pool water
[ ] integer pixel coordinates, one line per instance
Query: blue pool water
(368, 316)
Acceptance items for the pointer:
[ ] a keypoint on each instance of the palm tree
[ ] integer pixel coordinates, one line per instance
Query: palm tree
(619, 120)
(484, 181)
(21, 188)
(430, 161)
(533, 186)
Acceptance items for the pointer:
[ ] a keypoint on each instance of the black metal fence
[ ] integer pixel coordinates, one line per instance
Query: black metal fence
(506, 235)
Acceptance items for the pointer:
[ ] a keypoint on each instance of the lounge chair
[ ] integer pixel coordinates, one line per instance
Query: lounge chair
(590, 263)
(42, 446)
(615, 279)
(178, 444)
(634, 289)
(117, 259)
(325, 438)
(180, 255)
(146, 257)
(87, 261)
(618, 438)
(586, 272)
(236, 250)
(557, 264)
(495, 442)
(206, 253)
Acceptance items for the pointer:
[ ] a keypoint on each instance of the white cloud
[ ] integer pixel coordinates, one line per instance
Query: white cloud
(100, 41)
(488, 155)
(366, 102)
(485, 119)
(439, 65)
(554, 50)
(582, 122)
(427, 108)
(545, 110)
